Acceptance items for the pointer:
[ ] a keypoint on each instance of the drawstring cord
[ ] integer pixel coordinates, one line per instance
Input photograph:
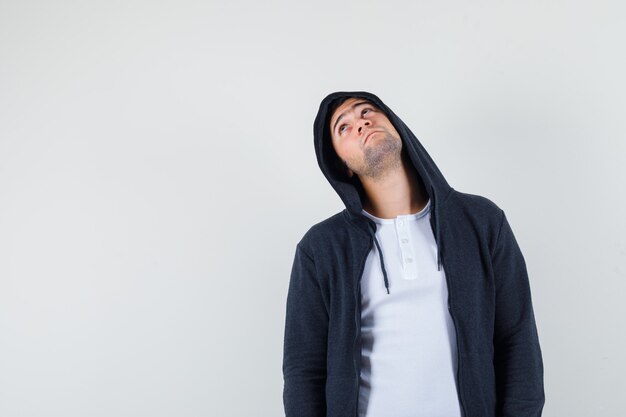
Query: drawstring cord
(380, 254)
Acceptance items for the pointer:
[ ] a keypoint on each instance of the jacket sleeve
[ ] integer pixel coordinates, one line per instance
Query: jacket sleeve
(305, 342)
(518, 361)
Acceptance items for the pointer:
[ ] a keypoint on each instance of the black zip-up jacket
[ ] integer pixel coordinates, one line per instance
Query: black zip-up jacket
(500, 368)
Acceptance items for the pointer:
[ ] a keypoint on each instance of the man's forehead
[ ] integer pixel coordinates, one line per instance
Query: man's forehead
(343, 106)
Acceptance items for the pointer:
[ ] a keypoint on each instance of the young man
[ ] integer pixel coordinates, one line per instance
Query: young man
(412, 301)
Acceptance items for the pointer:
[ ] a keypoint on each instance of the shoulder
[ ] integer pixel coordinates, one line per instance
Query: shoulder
(475, 206)
(475, 212)
(322, 233)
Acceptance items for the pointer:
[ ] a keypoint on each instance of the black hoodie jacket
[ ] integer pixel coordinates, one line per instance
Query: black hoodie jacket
(500, 367)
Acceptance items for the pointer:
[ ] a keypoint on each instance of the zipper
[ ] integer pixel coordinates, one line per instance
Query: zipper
(458, 354)
(356, 356)
(456, 332)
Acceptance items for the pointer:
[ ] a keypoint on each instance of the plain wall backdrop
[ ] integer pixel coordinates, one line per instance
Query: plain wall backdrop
(157, 170)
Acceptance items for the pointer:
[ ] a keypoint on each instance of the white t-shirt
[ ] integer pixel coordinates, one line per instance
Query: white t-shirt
(408, 355)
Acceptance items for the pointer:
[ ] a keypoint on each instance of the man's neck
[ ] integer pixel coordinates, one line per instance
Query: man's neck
(401, 191)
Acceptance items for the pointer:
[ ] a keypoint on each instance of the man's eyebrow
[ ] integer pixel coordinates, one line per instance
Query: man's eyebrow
(358, 103)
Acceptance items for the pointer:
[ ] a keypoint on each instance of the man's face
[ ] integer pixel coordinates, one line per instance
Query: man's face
(364, 138)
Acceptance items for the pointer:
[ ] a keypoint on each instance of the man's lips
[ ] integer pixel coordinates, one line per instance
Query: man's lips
(370, 134)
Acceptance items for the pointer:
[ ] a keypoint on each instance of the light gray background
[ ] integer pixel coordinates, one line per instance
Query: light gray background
(157, 169)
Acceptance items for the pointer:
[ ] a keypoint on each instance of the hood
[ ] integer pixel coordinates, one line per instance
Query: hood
(350, 190)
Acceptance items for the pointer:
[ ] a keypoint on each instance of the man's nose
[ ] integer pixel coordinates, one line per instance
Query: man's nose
(363, 123)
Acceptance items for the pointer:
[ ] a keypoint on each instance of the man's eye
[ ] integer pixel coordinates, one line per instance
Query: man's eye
(362, 113)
